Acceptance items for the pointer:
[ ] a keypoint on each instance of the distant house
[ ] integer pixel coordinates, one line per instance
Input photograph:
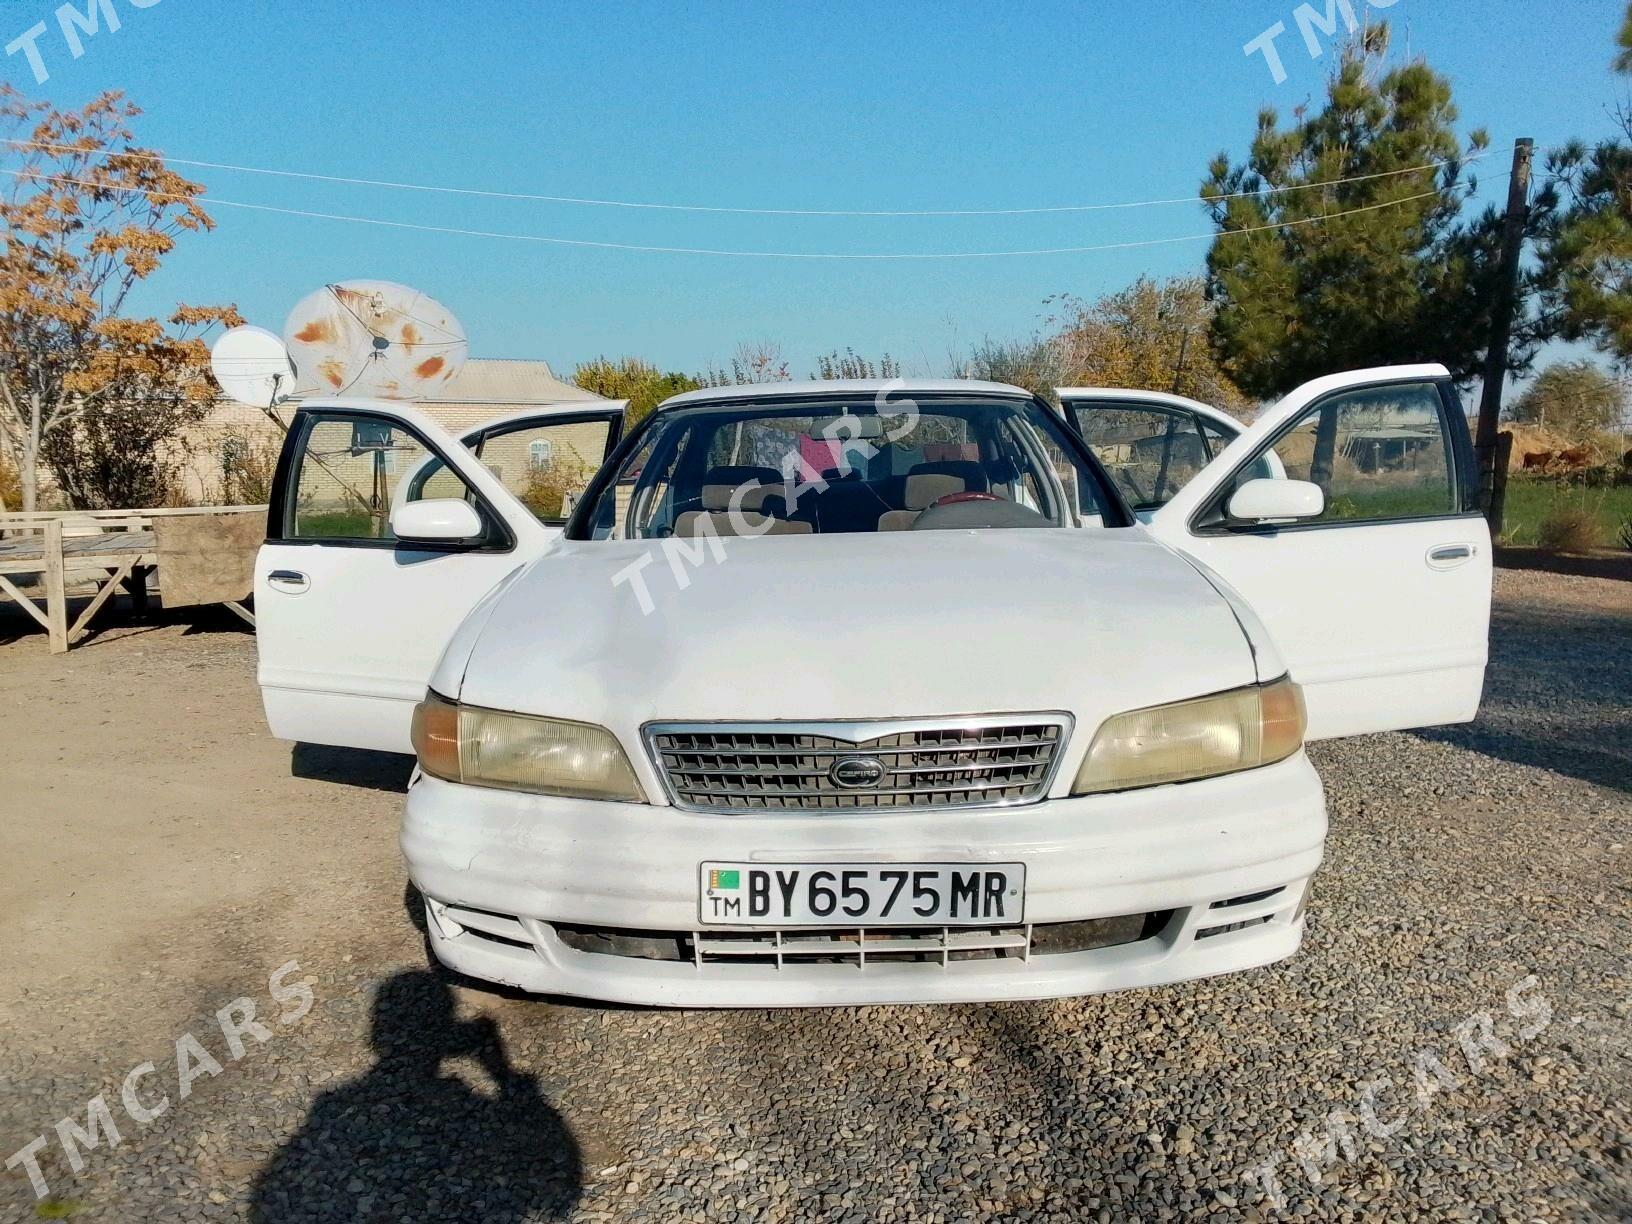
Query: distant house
(236, 437)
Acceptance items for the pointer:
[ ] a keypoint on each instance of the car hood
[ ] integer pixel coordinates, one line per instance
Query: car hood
(887, 625)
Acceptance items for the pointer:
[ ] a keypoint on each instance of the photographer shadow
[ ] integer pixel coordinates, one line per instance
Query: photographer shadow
(409, 1140)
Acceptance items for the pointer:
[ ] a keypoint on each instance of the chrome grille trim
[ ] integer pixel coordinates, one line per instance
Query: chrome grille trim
(989, 760)
(799, 728)
(854, 945)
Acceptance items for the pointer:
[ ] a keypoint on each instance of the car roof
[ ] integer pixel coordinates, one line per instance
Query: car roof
(893, 388)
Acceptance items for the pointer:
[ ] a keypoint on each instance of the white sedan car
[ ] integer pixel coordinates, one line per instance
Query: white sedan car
(844, 692)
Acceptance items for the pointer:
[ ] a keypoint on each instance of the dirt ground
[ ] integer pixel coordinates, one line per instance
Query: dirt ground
(164, 855)
(160, 840)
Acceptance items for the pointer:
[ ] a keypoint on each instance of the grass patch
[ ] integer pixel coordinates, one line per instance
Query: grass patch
(1532, 501)
(1407, 501)
(338, 525)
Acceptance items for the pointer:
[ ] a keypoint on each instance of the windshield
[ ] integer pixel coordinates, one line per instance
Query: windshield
(849, 464)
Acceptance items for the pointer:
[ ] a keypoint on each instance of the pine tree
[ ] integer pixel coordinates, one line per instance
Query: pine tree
(1587, 259)
(1301, 291)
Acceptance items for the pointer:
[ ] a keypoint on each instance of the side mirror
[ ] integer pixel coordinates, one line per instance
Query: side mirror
(437, 520)
(1260, 501)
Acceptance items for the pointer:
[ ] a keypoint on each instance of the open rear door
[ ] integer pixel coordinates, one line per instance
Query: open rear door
(1380, 603)
(351, 622)
(1152, 444)
(546, 456)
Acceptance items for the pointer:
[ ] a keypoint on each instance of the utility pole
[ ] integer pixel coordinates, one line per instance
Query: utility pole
(1492, 471)
(1178, 370)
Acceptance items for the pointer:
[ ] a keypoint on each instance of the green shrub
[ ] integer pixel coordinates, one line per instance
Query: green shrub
(247, 468)
(1625, 534)
(1568, 529)
(552, 486)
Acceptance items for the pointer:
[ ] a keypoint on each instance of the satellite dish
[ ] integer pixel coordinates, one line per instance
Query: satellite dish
(374, 338)
(253, 366)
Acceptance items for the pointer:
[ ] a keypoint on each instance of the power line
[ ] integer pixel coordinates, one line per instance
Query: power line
(763, 212)
(729, 253)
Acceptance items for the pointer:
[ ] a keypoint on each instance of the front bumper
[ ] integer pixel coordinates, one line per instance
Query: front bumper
(500, 869)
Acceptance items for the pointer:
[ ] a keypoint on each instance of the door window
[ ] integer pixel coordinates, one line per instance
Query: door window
(547, 466)
(347, 473)
(1379, 453)
(642, 496)
(1150, 452)
(1219, 437)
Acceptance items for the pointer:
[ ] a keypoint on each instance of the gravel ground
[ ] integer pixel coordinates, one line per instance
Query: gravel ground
(1475, 875)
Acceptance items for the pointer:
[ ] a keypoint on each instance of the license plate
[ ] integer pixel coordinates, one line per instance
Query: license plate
(861, 894)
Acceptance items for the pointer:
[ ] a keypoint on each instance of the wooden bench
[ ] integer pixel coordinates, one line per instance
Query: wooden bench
(119, 545)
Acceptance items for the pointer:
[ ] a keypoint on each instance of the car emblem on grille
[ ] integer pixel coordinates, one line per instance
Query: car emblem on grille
(855, 772)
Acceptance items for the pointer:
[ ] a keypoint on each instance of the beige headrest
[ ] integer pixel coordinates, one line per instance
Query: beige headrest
(924, 489)
(718, 496)
(720, 523)
(754, 499)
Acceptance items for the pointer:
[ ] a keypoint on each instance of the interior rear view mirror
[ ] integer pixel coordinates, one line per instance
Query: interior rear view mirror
(1261, 501)
(847, 428)
(368, 436)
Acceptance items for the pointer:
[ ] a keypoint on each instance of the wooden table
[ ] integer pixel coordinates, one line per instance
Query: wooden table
(117, 544)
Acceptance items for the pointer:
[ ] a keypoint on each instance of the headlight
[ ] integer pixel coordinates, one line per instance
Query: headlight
(547, 756)
(1241, 729)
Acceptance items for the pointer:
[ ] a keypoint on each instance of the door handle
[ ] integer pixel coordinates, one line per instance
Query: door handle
(1449, 556)
(289, 580)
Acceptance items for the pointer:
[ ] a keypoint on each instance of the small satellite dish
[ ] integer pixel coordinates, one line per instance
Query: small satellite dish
(253, 367)
(374, 338)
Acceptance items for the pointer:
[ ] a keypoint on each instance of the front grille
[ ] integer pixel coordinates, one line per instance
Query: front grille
(937, 763)
(862, 947)
(934, 945)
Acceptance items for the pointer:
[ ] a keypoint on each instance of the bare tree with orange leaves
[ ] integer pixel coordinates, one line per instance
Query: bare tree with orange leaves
(98, 397)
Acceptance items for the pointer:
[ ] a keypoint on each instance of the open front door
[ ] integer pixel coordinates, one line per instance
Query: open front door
(1380, 602)
(351, 621)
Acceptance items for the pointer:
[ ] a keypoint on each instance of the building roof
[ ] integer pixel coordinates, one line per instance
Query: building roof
(504, 381)
(485, 387)
(1396, 433)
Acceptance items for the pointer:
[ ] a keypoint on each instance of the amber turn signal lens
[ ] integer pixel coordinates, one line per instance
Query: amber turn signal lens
(1281, 719)
(435, 737)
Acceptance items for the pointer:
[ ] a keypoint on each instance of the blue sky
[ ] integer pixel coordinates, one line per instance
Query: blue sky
(779, 105)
